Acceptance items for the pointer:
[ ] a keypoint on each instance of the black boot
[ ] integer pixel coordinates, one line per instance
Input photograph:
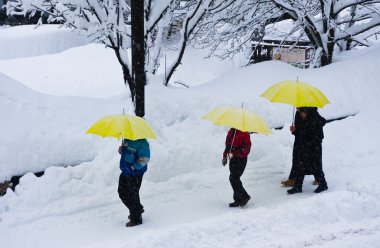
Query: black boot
(234, 204)
(132, 223)
(245, 201)
(295, 190)
(321, 187)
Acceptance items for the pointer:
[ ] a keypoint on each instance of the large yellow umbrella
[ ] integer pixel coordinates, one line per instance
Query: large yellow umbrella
(298, 94)
(238, 118)
(122, 126)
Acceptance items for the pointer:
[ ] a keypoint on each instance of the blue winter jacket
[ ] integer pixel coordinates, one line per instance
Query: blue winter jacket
(135, 155)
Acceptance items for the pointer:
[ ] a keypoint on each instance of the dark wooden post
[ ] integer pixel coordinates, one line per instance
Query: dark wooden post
(138, 54)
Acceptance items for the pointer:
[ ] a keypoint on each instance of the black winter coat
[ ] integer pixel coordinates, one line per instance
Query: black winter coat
(307, 150)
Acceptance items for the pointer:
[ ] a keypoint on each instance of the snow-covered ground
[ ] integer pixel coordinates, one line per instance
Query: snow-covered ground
(96, 71)
(186, 190)
(29, 41)
(53, 75)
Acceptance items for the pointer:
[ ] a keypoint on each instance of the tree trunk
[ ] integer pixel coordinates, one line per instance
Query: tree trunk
(348, 44)
(138, 55)
(129, 80)
(325, 59)
(327, 55)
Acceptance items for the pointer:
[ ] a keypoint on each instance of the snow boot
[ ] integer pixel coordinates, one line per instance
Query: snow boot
(132, 223)
(315, 182)
(321, 187)
(295, 190)
(288, 183)
(3, 188)
(234, 204)
(245, 201)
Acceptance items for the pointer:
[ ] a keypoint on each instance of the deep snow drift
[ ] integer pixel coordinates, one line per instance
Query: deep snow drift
(28, 41)
(186, 190)
(38, 131)
(68, 73)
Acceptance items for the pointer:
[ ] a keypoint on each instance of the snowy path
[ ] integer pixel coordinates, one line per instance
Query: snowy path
(184, 199)
(200, 199)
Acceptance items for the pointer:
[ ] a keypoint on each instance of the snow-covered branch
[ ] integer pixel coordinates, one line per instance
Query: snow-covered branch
(324, 22)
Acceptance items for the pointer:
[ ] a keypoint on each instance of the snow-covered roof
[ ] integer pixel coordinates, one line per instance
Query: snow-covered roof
(280, 30)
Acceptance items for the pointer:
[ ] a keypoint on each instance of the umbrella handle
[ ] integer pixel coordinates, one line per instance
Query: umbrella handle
(233, 139)
(294, 107)
(293, 116)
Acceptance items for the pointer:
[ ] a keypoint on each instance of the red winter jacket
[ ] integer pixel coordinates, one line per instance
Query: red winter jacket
(241, 143)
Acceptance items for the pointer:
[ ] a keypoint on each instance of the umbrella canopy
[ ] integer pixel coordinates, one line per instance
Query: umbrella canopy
(239, 118)
(122, 126)
(298, 94)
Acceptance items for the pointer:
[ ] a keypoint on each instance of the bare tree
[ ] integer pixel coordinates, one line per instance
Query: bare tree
(109, 22)
(325, 23)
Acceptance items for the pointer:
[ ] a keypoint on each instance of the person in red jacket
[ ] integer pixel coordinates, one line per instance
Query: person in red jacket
(238, 146)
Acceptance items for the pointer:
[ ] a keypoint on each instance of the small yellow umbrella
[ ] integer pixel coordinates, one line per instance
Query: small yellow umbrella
(238, 118)
(122, 126)
(298, 94)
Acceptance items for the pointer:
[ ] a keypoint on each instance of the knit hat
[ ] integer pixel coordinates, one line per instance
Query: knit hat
(308, 110)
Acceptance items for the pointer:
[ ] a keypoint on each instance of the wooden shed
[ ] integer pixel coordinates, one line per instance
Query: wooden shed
(297, 54)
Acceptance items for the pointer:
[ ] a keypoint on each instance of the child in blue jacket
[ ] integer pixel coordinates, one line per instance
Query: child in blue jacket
(135, 155)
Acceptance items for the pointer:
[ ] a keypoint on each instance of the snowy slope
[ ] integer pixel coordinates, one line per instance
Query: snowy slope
(28, 41)
(92, 71)
(38, 57)
(38, 130)
(186, 190)
(95, 71)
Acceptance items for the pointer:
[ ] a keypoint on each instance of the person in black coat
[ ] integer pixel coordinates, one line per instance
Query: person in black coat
(307, 149)
(297, 149)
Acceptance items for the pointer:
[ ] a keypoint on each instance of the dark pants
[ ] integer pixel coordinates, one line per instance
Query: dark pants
(293, 174)
(319, 176)
(297, 162)
(237, 167)
(128, 190)
(311, 164)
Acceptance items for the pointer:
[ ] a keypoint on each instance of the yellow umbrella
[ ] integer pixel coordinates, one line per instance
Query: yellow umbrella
(122, 126)
(239, 118)
(298, 94)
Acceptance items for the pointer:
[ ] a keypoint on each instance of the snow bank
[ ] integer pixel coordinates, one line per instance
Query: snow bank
(38, 131)
(28, 41)
(91, 71)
